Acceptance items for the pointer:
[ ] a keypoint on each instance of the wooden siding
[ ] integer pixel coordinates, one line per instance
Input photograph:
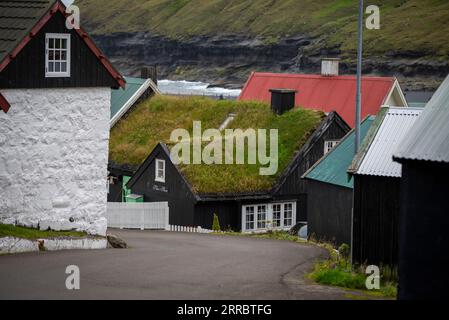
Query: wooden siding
(174, 191)
(329, 212)
(294, 186)
(228, 213)
(27, 70)
(376, 215)
(424, 236)
(115, 192)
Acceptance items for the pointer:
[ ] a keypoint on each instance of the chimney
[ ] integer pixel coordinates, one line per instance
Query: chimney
(282, 100)
(149, 73)
(329, 67)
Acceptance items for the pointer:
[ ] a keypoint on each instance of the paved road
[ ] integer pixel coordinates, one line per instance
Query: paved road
(163, 265)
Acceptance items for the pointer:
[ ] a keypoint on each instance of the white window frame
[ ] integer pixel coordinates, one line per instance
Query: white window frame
(53, 74)
(269, 223)
(247, 213)
(329, 145)
(156, 173)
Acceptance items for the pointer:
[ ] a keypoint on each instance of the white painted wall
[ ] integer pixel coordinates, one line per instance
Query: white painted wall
(53, 158)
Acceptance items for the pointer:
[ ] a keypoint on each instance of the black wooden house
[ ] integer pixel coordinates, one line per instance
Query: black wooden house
(280, 206)
(330, 191)
(424, 213)
(377, 188)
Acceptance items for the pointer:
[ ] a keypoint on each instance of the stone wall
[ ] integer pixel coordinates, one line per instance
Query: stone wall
(53, 158)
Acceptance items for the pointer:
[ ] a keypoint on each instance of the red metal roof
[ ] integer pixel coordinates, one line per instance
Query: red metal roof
(322, 93)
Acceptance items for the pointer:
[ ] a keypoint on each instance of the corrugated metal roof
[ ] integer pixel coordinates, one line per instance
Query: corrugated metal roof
(378, 157)
(428, 140)
(322, 93)
(333, 166)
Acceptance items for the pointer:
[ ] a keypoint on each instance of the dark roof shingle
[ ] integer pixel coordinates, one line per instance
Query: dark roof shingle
(17, 18)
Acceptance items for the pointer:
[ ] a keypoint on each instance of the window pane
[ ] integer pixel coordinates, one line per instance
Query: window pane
(51, 43)
(63, 43)
(249, 218)
(57, 55)
(64, 55)
(57, 67)
(277, 215)
(57, 43)
(261, 216)
(51, 67)
(288, 214)
(51, 55)
(63, 66)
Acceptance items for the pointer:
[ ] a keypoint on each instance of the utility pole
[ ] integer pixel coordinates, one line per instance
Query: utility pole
(358, 107)
(358, 103)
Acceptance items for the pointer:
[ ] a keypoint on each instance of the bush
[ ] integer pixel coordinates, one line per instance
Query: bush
(344, 250)
(340, 277)
(216, 224)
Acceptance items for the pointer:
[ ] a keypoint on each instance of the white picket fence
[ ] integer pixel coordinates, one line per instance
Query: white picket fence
(147, 215)
(188, 229)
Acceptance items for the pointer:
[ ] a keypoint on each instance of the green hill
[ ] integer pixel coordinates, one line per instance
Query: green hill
(406, 25)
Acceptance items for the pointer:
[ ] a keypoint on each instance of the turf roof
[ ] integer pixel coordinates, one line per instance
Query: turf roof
(134, 137)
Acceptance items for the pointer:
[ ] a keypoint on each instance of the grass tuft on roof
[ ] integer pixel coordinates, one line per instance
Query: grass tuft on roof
(135, 136)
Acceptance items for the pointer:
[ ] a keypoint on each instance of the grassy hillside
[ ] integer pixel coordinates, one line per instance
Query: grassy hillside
(133, 138)
(406, 25)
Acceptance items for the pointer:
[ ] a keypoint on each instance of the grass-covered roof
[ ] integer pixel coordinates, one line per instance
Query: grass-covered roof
(135, 136)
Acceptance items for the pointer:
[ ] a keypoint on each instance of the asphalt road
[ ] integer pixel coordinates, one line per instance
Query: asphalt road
(167, 265)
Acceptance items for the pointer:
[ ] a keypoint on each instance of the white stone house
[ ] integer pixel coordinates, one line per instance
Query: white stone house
(55, 91)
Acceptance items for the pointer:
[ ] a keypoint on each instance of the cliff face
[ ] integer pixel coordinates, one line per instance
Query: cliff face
(228, 60)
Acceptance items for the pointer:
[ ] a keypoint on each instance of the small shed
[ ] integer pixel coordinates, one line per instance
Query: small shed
(424, 215)
(376, 188)
(330, 189)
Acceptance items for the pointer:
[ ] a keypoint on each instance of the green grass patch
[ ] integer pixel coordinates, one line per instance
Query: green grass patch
(33, 234)
(337, 271)
(134, 137)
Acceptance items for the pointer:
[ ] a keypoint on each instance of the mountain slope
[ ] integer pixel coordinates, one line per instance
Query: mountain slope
(222, 41)
(405, 24)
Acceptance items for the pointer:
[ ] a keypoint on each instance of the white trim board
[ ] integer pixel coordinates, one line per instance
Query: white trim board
(144, 87)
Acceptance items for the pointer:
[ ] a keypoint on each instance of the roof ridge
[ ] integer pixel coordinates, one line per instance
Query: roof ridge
(319, 76)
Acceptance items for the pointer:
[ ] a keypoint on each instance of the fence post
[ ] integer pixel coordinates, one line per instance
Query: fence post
(166, 212)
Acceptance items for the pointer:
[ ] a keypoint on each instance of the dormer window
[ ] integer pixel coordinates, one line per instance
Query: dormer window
(160, 170)
(57, 55)
(329, 145)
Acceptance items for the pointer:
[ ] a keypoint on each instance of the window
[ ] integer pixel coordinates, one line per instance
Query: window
(160, 170)
(57, 55)
(273, 216)
(249, 218)
(261, 217)
(276, 215)
(329, 145)
(288, 214)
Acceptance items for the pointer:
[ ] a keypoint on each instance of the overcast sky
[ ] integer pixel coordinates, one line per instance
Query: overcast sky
(67, 2)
